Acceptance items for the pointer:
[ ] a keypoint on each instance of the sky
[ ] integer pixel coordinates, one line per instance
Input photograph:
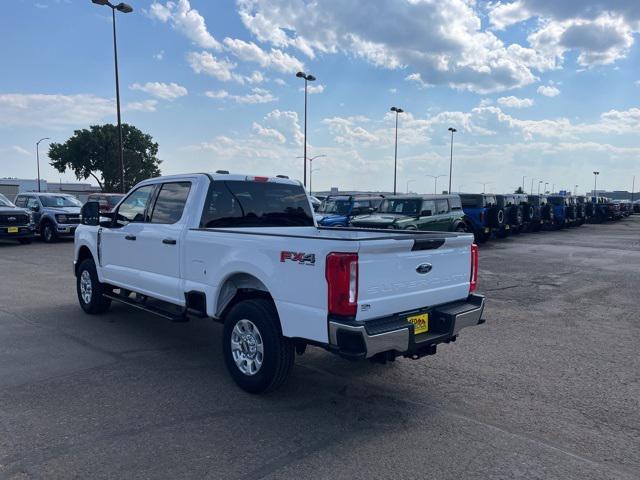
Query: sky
(542, 89)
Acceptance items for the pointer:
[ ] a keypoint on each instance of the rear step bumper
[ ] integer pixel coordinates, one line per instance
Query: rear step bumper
(395, 334)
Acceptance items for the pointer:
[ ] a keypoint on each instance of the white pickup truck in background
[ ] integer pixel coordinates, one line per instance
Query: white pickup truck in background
(246, 251)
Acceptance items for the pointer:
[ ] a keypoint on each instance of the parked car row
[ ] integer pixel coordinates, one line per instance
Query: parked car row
(486, 215)
(48, 215)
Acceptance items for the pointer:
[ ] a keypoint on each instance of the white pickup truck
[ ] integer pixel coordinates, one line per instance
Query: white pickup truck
(246, 251)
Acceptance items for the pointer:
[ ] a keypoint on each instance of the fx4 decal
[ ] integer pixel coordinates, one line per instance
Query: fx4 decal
(300, 257)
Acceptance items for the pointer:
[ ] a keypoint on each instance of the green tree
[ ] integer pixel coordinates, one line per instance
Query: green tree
(519, 190)
(94, 153)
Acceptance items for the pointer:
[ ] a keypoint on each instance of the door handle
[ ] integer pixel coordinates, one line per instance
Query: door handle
(130, 237)
(169, 241)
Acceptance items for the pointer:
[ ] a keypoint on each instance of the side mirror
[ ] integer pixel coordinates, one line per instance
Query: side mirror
(90, 213)
(425, 213)
(35, 208)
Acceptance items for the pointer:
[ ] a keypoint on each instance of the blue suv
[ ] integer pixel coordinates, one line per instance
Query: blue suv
(482, 214)
(561, 210)
(337, 211)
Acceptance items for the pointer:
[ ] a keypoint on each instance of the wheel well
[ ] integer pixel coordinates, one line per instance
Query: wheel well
(238, 287)
(83, 254)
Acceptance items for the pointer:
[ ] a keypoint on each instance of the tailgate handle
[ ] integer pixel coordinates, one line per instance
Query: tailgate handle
(130, 237)
(427, 244)
(169, 241)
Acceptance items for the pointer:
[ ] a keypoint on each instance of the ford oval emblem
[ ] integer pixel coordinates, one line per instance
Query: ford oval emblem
(424, 268)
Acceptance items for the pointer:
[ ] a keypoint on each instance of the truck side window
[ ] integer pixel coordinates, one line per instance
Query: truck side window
(21, 202)
(170, 202)
(428, 208)
(32, 202)
(133, 207)
(442, 207)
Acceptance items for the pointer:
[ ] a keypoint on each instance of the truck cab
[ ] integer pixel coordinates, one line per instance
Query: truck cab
(337, 211)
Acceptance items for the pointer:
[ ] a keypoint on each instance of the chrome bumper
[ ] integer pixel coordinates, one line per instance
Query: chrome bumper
(365, 339)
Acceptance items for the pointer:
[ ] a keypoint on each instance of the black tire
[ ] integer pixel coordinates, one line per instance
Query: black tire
(278, 352)
(496, 217)
(96, 303)
(24, 241)
(48, 232)
(461, 228)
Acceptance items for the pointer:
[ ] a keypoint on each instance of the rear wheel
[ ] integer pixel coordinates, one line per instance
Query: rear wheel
(256, 354)
(90, 290)
(461, 228)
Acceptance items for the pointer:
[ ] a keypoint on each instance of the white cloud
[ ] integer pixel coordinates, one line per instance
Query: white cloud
(204, 62)
(28, 110)
(280, 82)
(311, 89)
(417, 78)
(257, 95)
(144, 106)
(286, 123)
(515, 102)
(274, 59)
(159, 56)
(186, 20)
(255, 77)
(20, 150)
(601, 32)
(165, 91)
(459, 52)
(548, 90)
(268, 132)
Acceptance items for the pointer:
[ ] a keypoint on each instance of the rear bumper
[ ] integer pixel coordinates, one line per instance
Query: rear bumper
(394, 334)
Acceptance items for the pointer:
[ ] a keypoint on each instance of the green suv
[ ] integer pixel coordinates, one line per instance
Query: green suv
(416, 212)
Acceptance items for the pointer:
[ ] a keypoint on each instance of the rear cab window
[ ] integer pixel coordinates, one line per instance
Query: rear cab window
(442, 207)
(234, 204)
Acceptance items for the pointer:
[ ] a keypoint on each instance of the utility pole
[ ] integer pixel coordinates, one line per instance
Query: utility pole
(452, 130)
(395, 156)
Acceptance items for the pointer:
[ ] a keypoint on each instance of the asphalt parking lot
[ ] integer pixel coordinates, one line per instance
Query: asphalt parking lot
(549, 387)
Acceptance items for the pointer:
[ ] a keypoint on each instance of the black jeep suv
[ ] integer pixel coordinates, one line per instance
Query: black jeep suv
(513, 216)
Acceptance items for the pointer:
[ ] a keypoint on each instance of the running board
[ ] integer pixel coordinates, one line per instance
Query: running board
(179, 318)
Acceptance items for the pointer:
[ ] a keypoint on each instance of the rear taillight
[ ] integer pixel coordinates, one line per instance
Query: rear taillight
(473, 281)
(341, 272)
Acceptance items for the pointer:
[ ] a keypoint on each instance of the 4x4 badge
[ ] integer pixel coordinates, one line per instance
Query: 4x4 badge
(424, 268)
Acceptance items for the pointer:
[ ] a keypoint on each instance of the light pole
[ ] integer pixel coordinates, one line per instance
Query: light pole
(545, 186)
(452, 130)
(484, 186)
(435, 182)
(408, 182)
(595, 183)
(575, 190)
(124, 8)
(307, 79)
(539, 183)
(523, 177)
(633, 187)
(395, 155)
(38, 158)
(311, 169)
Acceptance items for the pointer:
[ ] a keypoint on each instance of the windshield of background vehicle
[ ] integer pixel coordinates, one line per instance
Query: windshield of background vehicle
(404, 206)
(59, 201)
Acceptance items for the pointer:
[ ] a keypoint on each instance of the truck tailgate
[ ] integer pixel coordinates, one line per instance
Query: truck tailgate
(402, 275)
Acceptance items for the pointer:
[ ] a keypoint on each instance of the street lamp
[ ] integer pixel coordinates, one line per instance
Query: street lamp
(38, 158)
(595, 183)
(435, 182)
(539, 183)
(395, 156)
(123, 8)
(545, 186)
(311, 169)
(484, 186)
(452, 130)
(531, 191)
(408, 182)
(307, 79)
(575, 190)
(523, 177)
